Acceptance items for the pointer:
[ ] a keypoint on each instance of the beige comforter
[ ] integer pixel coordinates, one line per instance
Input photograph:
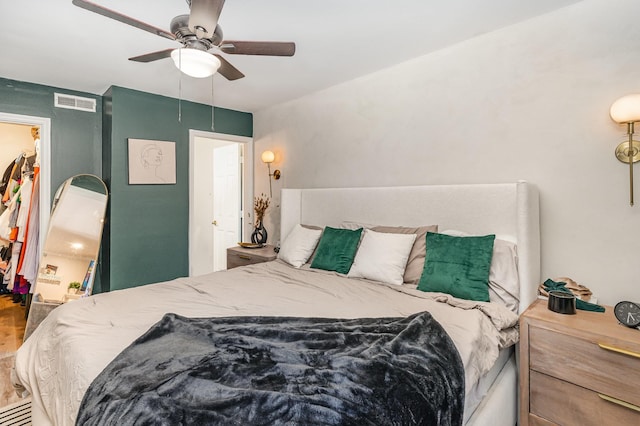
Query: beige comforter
(77, 340)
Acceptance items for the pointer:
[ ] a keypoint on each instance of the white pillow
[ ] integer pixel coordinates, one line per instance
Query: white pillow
(299, 245)
(504, 283)
(382, 256)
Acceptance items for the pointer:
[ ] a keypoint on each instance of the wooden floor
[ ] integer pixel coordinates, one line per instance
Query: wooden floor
(12, 324)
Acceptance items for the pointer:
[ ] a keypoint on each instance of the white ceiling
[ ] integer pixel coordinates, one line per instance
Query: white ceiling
(55, 43)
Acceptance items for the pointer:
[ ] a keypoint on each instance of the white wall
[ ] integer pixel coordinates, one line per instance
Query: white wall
(529, 102)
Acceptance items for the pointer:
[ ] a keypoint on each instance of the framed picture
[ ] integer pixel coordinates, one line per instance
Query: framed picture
(151, 162)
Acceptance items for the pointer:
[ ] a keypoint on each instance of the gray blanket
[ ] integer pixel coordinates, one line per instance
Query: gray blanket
(282, 371)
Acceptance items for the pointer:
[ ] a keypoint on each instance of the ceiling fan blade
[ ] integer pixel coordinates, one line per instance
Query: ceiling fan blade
(268, 48)
(153, 56)
(227, 70)
(204, 17)
(95, 8)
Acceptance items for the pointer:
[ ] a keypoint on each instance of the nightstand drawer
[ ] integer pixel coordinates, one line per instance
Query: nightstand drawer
(566, 404)
(584, 363)
(239, 256)
(241, 259)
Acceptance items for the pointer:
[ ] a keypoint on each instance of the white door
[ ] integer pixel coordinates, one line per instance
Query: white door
(226, 201)
(219, 186)
(201, 207)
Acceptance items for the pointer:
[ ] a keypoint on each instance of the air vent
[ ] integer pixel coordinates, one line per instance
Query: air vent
(75, 102)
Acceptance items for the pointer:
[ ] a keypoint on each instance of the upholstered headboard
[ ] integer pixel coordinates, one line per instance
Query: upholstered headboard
(508, 210)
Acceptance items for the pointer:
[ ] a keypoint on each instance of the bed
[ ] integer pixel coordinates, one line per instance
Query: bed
(72, 347)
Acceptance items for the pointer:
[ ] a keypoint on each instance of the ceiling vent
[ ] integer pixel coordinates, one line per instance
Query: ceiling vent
(75, 102)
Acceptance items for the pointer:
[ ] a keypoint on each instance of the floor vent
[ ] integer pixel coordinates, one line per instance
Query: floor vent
(18, 414)
(75, 102)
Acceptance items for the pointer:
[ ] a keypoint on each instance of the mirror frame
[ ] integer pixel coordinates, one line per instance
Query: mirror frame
(67, 226)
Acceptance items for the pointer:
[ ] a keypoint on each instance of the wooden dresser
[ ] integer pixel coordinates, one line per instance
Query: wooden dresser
(581, 369)
(239, 256)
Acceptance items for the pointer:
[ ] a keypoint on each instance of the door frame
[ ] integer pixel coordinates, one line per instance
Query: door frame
(45, 164)
(247, 179)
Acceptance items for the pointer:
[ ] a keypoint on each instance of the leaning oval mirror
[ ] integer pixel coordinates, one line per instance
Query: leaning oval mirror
(68, 261)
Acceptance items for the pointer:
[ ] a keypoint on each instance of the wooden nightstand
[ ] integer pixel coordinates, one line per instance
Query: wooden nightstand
(238, 256)
(581, 369)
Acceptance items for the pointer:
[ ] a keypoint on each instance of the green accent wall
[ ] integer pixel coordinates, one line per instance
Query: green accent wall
(76, 136)
(146, 237)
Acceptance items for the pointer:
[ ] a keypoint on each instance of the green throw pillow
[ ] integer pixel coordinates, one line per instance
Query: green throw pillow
(458, 266)
(336, 249)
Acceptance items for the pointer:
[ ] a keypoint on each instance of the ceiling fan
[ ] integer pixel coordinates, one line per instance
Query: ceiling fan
(201, 38)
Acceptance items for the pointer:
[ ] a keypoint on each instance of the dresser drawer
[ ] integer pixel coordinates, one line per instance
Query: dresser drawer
(563, 403)
(584, 363)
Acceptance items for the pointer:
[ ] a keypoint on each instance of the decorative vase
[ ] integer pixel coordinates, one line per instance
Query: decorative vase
(259, 234)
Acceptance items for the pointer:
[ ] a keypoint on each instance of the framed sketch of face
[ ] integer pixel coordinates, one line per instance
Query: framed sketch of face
(151, 162)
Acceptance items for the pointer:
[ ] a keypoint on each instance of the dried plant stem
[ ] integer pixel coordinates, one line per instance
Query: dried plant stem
(260, 205)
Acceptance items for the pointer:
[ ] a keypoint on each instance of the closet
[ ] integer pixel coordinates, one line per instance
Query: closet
(19, 209)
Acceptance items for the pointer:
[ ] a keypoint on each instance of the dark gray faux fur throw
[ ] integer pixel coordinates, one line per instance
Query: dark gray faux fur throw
(282, 371)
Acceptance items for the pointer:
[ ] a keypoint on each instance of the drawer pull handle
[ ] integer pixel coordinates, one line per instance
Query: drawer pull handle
(618, 350)
(619, 402)
(244, 256)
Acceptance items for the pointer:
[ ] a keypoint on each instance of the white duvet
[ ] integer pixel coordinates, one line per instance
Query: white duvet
(77, 340)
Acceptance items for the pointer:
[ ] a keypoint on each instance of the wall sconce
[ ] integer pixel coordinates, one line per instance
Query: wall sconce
(268, 157)
(626, 110)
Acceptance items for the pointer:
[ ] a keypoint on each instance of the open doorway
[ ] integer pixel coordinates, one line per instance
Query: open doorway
(24, 210)
(44, 126)
(220, 197)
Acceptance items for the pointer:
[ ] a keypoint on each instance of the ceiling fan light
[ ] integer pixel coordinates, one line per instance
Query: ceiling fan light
(195, 63)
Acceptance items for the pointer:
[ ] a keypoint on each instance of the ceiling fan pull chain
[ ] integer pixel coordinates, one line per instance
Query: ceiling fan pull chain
(213, 126)
(180, 87)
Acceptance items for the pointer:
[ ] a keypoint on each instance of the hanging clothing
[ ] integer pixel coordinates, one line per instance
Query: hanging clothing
(10, 217)
(15, 256)
(20, 285)
(23, 210)
(6, 177)
(19, 198)
(14, 177)
(30, 254)
(7, 277)
(4, 225)
(19, 223)
(6, 194)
